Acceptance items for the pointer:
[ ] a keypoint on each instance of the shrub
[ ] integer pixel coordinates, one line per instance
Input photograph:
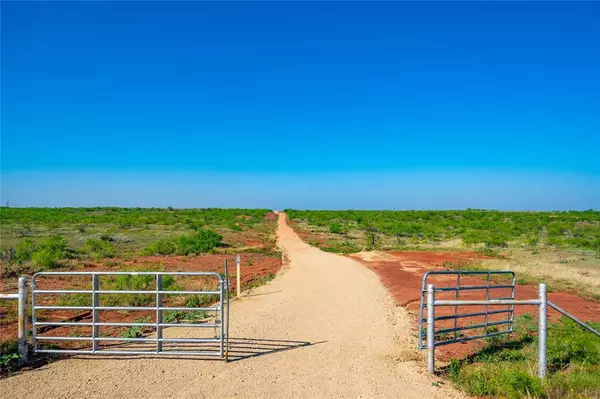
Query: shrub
(202, 241)
(161, 247)
(24, 251)
(370, 236)
(56, 245)
(337, 228)
(99, 247)
(45, 259)
(49, 252)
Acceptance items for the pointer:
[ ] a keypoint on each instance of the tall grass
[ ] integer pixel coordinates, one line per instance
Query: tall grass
(508, 367)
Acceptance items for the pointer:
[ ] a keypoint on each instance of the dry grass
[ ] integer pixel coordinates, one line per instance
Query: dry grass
(577, 271)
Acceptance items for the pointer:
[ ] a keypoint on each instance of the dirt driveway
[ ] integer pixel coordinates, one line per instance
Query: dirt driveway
(324, 327)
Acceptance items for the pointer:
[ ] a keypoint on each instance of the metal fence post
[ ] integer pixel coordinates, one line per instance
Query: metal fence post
(95, 313)
(542, 331)
(23, 324)
(159, 313)
(430, 328)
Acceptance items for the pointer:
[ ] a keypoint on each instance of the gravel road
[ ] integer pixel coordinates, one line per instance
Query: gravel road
(324, 327)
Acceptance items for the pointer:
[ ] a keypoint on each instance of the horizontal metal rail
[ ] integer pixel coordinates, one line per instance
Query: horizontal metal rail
(490, 302)
(127, 352)
(488, 290)
(122, 324)
(470, 338)
(432, 332)
(147, 292)
(125, 308)
(542, 303)
(472, 287)
(466, 315)
(472, 326)
(98, 311)
(148, 339)
(206, 274)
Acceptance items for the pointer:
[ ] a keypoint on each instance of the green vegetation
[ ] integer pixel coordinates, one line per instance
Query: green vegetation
(508, 366)
(136, 331)
(493, 229)
(9, 355)
(257, 282)
(28, 219)
(44, 255)
(199, 242)
(35, 239)
(202, 300)
(176, 316)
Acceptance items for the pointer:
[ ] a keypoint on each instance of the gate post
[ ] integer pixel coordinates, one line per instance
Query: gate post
(23, 324)
(159, 313)
(542, 331)
(95, 313)
(430, 328)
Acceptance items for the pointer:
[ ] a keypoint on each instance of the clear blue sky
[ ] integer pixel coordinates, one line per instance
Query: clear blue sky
(307, 105)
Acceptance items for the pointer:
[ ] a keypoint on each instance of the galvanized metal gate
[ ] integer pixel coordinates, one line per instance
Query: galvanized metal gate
(495, 282)
(92, 300)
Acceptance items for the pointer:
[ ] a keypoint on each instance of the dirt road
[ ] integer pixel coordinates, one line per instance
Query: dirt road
(324, 327)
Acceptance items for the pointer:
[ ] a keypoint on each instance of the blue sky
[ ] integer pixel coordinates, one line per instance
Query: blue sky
(307, 105)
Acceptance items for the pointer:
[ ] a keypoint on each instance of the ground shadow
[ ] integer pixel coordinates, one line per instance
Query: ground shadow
(245, 348)
(264, 293)
(239, 349)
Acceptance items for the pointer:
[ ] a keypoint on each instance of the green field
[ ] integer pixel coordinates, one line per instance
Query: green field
(353, 230)
(43, 238)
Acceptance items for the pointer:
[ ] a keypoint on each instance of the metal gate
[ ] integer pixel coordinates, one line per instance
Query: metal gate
(156, 295)
(468, 284)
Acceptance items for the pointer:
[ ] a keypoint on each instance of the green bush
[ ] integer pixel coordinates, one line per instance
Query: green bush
(24, 251)
(337, 228)
(99, 247)
(44, 258)
(56, 245)
(202, 241)
(161, 247)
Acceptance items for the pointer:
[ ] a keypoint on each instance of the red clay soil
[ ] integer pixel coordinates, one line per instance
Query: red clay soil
(402, 277)
(254, 266)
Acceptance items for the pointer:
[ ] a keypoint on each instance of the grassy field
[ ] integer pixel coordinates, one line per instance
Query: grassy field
(36, 239)
(559, 247)
(352, 231)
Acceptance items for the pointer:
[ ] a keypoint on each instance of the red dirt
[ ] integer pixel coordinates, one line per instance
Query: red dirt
(402, 277)
(253, 266)
(271, 216)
